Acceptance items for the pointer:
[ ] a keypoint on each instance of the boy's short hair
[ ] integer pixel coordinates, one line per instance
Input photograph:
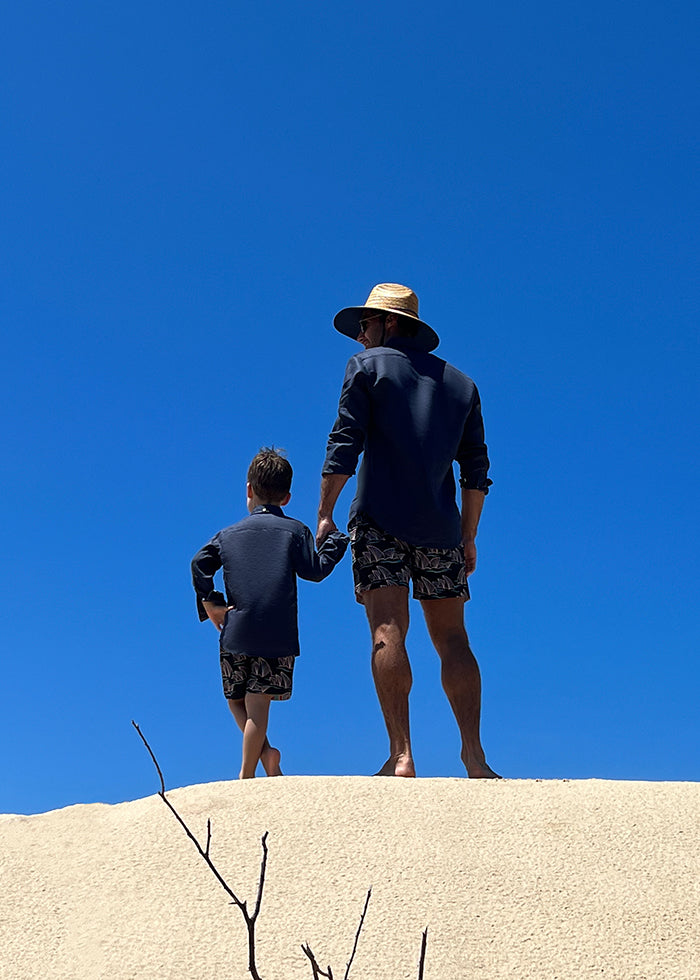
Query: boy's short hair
(270, 475)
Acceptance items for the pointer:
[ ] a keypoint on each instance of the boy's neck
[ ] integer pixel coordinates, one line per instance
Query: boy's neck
(255, 501)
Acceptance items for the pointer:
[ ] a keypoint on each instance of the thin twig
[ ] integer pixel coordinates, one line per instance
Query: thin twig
(421, 962)
(357, 935)
(317, 971)
(250, 919)
(204, 853)
(261, 880)
(314, 965)
(150, 752)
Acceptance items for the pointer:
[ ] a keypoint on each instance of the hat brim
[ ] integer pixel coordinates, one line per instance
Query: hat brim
(347, 322)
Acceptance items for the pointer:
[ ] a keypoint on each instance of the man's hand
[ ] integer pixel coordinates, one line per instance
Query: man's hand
(470, 555)
(217, 614)
(472, 503)
(331, 485)
(323, 529)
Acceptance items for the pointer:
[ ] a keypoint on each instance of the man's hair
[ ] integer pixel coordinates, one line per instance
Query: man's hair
(270, 475)
(407, 326)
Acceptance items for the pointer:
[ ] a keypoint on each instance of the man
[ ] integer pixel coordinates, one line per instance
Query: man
(412, 415)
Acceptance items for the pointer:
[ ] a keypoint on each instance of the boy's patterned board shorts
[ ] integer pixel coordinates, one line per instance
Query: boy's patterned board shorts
(379, 559)
(243, 675)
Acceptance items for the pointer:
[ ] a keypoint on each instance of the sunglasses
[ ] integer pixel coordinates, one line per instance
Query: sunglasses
(368, 319)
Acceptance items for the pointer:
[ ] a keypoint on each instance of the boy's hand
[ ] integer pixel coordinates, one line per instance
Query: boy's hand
(217, 614)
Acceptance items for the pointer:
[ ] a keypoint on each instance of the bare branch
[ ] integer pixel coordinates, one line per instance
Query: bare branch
(312, 958)
(317, 971)
(423, 945)
(357, 935)
(204, 853)
(150, 752)
(261, 882)
(250, 919)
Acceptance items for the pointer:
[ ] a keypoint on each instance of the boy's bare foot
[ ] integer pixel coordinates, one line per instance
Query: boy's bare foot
(401, 766)
(270, 758)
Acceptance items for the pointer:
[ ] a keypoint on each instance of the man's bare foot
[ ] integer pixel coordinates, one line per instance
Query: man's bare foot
(270, 758)
(400, 766)
(480, 770)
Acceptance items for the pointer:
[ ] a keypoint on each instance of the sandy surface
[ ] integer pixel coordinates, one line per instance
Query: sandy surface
(517, 879)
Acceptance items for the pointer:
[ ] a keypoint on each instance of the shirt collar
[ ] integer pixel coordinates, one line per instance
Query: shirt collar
(268, 509)
(401, 343)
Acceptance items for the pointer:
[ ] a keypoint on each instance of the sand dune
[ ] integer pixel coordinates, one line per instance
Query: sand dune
(517, 879)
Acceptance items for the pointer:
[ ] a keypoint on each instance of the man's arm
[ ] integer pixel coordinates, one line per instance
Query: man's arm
(472, 505)
(331, 485)
(472, 455)
(473, 462)
(345, 443)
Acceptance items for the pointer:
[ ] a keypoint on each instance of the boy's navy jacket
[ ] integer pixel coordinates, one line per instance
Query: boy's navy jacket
(261, 557)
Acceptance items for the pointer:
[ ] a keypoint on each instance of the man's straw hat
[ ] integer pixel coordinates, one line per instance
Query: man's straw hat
(388, 297)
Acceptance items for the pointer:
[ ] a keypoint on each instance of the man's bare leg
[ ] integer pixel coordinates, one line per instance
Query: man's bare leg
(269, 756)
(387, 613)
(461, 679)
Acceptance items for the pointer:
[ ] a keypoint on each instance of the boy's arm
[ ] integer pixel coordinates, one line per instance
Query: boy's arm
(315, 566)
(216, 612)
(205, 564)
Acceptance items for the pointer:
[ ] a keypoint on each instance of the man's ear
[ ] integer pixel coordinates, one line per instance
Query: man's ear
(391, 323)
(285, 500)
(248, 491)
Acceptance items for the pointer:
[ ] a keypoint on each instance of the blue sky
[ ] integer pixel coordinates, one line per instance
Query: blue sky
(189, 193)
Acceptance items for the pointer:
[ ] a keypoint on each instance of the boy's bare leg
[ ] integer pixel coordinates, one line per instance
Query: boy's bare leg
(269, 756)
(257, 707)
(461, 679)
(387, 613)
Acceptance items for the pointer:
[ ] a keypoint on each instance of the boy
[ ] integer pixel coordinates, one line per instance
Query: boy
(261, 557)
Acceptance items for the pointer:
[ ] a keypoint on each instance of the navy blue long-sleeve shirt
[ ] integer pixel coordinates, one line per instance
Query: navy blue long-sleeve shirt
(411, 414)
(261, 557)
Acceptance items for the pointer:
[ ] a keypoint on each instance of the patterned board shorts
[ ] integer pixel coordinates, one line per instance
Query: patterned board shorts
(379, 559)
(256, 675)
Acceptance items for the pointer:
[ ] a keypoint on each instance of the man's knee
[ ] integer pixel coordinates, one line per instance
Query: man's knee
(452, 644)
(386, 635)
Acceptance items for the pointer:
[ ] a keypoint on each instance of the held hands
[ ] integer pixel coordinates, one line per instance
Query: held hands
(324, 528)
(217, 614)
(331, 485)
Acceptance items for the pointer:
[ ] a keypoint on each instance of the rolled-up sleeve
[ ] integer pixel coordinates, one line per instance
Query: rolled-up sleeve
(472, 455)
(316, 565)
(347, 437)
(205, 565)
